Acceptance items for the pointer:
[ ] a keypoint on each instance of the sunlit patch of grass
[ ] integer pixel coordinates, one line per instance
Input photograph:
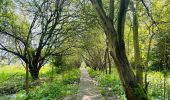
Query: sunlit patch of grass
(12, 81)
(10, 72)
(45, 70)
(11, 69)
(12, 78)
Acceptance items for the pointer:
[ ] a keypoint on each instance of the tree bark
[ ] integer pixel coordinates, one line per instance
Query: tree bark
(34, 71)
(138, 65)
(26, 79)
(133, 90)
(105, 59)
(34, 74)
(109, 61)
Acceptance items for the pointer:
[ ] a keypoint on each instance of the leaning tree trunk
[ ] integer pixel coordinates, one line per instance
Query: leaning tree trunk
(133, 90)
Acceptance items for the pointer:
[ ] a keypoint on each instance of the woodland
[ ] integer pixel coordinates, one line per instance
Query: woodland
(46, 46)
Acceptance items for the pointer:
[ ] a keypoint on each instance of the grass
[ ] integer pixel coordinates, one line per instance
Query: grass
(13, 78)
(64, 85)
(110, 85)
(8, 71)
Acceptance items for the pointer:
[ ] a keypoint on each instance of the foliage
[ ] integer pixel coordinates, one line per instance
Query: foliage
(109, 85)
(8, 83)
(63, 63)
(93, 73)
(41, 31)
(68, 32)
(156, 86)
(63, 86)
(160, 56)
(60, 65)
(72, 76)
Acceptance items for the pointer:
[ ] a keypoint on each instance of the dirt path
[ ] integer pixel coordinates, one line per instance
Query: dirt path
(87, 90)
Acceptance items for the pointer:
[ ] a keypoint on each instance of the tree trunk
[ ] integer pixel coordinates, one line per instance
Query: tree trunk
(52, 73)
(26, 79)
(133, 90)
(34, 74)
(34, 71)
(138, 65)
(109, 61)
(105, 59)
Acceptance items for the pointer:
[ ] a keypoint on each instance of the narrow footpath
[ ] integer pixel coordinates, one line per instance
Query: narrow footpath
(87, 89)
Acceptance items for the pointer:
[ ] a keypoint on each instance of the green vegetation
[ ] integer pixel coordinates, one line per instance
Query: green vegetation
(110, 84)
(8, 83)
(62, 85)
(52, 39)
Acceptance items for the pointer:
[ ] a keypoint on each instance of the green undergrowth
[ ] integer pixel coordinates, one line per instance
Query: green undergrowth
(12, 79)
(159, 86)
(66, 84)
(108, 85)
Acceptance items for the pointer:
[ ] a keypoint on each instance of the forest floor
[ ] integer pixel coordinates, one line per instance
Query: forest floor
(87, 89)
